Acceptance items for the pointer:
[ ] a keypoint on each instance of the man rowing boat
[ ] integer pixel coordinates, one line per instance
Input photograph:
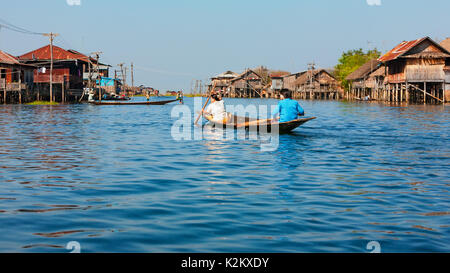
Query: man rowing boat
(287, 109)
(216, 109)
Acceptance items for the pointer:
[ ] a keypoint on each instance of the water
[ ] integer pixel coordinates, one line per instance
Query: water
(112, 179)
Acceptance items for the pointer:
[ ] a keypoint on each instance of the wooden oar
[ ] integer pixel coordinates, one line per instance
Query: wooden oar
(206, 103)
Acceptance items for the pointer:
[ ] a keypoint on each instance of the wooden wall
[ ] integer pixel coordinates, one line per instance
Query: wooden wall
(419, 70)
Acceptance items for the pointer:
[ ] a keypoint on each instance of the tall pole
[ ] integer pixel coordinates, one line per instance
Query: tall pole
(99, 79)
(97, 57)
(132, 76)
(123, 78)
(51, 36)
(115, 81)
(90, 76)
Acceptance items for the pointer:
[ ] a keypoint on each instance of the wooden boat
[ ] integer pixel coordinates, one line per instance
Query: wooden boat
(162, 102)
(264, 125)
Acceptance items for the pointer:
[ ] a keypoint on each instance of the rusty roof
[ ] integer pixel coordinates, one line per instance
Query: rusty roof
(43, 53)
(406, 46)
(6, 58)
(400, 49)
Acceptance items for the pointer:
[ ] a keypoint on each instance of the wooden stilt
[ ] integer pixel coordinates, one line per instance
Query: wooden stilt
(4, 92)
(443, 92)
(425, 93)
(407, 92)
(62, 92)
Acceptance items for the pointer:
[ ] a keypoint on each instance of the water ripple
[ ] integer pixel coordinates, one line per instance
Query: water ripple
(112, 179)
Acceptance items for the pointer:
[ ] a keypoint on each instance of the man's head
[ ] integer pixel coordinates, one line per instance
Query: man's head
(286, 94)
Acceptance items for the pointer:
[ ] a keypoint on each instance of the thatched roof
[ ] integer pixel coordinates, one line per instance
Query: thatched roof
(247, 72)
(364, 70)
(305, 77)
(427, 55)
(279, 74)
(380, 72)
(446, 44)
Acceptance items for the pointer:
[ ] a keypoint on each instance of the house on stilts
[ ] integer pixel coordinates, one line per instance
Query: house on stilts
(247, 85)
(16, 79)
(417, 72)
(316, 84)
(367, 81)
(221, 83)
(70, 68)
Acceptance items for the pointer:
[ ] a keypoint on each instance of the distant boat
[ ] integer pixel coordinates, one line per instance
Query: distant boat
(162, 102)
(264, 125)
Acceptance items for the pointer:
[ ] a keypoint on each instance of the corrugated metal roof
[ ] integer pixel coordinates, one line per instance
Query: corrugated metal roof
(400, 49)
(6, 58)
(405, 47)
(43, 53)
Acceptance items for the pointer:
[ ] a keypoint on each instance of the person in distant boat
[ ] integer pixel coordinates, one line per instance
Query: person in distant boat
(148, 96)
(216, 109)
(180, 97)
(287, 109)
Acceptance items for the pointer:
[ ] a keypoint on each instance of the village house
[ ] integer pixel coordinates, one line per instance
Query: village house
(247, 85)
(367, 80)
(222, 83)
(289, 80)
(277, 84)
(316, 84)
(15, 78)
(69, 71)
(446, 44)
(416, 71)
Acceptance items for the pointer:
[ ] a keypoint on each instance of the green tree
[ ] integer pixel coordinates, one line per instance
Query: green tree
(352, 60)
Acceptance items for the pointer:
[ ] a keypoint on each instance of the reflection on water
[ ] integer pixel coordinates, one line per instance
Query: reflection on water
(113, 179)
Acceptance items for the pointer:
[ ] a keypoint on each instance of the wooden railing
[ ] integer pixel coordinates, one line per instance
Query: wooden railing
(15, 86)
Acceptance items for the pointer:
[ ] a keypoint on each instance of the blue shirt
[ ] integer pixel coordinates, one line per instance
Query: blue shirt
(288, 110)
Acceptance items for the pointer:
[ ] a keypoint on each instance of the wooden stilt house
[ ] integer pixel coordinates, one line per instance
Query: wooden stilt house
(416, 72)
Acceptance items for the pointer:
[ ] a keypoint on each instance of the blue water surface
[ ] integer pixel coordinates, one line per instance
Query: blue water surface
(113, 179)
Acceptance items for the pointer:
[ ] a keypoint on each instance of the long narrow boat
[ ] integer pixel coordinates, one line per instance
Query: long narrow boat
(162, 102)
(263, 125)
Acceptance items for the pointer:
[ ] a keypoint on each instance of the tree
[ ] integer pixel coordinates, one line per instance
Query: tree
(352, 60)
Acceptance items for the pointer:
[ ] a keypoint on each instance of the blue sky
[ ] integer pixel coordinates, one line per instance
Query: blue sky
(173, 42)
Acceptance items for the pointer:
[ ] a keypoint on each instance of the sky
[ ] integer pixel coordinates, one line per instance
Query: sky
(174, 42)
